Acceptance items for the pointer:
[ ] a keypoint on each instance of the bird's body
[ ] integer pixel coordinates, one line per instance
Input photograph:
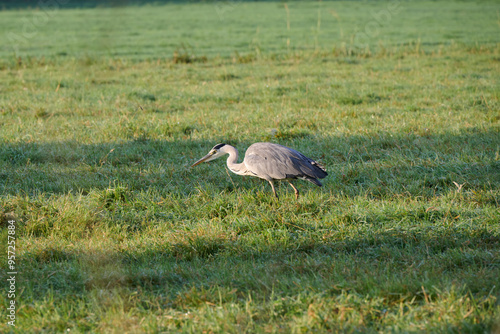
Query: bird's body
(270, 162)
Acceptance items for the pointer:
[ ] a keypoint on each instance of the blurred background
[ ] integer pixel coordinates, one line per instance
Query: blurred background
(158, 29)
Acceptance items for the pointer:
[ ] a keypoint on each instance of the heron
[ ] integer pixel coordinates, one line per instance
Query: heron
(270, 162)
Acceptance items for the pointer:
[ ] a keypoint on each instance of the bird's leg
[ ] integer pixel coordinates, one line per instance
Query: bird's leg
(295, 189)
(274, 190)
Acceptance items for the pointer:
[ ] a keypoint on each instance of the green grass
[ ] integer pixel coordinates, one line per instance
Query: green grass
(116, 234)
(225, 29)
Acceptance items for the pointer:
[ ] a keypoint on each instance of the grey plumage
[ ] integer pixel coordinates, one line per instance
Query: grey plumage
(270, 162)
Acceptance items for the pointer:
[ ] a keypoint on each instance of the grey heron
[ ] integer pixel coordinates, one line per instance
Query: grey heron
(270, 162)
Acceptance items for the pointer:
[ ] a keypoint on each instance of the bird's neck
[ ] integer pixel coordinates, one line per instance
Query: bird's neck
(232, 161)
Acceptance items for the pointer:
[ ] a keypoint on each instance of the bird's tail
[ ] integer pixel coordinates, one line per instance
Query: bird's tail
(313, 180)
(320, 169)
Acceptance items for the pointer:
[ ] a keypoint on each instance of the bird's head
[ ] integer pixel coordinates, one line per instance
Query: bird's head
(216, 152)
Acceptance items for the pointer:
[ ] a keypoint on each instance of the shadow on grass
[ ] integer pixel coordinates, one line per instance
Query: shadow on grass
(61, 167)
(379, 164)
(392, 261)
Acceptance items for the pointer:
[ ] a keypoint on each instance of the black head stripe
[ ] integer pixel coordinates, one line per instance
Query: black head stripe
(218, 146)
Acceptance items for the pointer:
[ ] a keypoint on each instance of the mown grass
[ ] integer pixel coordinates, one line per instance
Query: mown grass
(223, 28)
(116, 233)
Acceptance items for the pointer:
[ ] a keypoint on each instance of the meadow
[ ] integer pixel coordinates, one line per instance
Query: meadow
(103, 110)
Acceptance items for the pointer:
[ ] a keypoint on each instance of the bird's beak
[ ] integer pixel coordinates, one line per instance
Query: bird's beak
(205, 158)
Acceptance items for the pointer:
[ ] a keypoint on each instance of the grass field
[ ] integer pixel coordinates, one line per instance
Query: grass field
(103, 110)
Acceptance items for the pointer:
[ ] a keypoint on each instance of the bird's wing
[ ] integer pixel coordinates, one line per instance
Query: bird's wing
(273, 161)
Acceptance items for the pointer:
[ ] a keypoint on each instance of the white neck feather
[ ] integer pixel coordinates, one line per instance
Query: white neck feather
(232, 160)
